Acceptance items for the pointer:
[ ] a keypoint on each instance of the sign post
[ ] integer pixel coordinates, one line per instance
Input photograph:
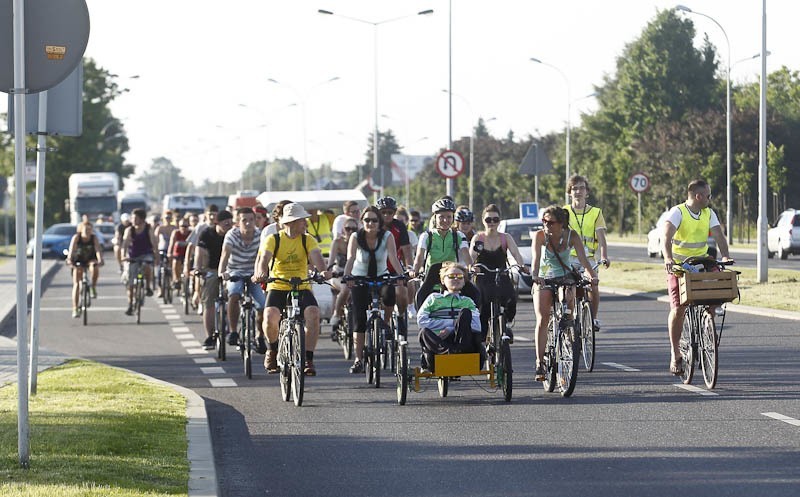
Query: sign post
(639, 183)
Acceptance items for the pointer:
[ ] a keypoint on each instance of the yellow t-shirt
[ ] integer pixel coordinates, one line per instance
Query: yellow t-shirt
(291, 261)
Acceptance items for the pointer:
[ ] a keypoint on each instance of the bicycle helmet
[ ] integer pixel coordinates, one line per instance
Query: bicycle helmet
(443, 204)
(465, 216)
(386, 203)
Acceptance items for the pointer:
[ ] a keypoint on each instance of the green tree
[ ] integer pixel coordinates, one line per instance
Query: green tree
(163, 178)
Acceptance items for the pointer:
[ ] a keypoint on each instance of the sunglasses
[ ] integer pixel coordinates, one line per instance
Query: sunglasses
(549, 222)
(370, 220)
(454, 276)
(491, 220)
(348, 228)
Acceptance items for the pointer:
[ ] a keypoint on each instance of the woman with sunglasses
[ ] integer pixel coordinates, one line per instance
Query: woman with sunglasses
(551, 251)
(337, 261)
(491, 248)
(177, 247)
(368, 251)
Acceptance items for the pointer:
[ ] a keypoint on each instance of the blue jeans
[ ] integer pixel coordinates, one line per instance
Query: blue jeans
(237, 287)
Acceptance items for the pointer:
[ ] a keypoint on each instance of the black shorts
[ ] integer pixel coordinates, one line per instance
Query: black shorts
(279, 298)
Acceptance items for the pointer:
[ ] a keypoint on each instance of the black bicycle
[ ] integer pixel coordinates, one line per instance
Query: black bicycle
(139, 284)
(247, 324)
(562, 352)
(584, 319)
(84, 295)
(187, 292)
(165, 278)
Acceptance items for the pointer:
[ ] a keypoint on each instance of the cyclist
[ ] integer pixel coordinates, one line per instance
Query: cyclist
(272, 228)
(140, 242)
(209, 251)
(413, 239)
(685, 234)
(124, 222)
(440, 244)
(465, 219)
(491, 248)
(238, 258)
(261, 217)
(589, 223)
(163, 233)
(415, 224)
(350, 210)
(177, 247)
(210, 221)
(448, 321)
(388, 207)
(286, 255)
(371, 252)
(84, 248)
(337, 262)
(551, 247)
(319, 226)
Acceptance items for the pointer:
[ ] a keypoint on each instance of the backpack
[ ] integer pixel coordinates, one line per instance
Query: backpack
(430, 243)
(277, 237)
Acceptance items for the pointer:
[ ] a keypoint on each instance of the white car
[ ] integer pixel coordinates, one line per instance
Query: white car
(784, 238)
(654, 239)
(521, 230)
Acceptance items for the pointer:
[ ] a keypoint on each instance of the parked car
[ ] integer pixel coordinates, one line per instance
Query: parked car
(55, 240)
(521, 230)
(784, 237)
(105, 234)
(654, 239)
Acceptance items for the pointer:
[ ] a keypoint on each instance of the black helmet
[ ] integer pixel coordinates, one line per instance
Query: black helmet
(465, 216)
(386, 203)
(443, 204)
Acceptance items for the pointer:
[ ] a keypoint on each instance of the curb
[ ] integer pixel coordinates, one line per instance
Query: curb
(10, 319)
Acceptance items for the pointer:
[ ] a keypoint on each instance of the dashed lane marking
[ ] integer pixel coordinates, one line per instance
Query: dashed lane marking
(184, 336)
(190, 343)
(694, 389)
(179, 329)
(204, 360)
(213, 370)
(781, 417)
(196, 351)
(93, 308)
(522, 339)
(222, 382)
(623, 367)
(171, 316)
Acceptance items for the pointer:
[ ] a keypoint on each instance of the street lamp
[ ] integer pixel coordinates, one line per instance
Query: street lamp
(302, 98)
(375, 25)
(569, 111)
(728, 190)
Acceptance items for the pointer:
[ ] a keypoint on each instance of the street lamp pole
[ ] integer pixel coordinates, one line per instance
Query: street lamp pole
(569, 111)
(728, 188)
(375, 25)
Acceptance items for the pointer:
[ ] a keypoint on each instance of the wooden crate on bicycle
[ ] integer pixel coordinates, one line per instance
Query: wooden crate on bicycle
(706, 288)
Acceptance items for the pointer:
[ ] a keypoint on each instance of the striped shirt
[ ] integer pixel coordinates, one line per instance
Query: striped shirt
(243, 256)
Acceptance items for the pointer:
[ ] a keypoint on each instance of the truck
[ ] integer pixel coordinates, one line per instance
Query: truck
(93, 195)
(243, 198)
(132, 200)
(181, 203)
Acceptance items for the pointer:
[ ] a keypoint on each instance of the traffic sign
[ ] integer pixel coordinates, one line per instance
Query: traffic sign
(450, 164)
(639, 182)
(528, 210)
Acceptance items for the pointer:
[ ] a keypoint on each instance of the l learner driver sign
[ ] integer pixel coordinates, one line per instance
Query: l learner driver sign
(450, 164)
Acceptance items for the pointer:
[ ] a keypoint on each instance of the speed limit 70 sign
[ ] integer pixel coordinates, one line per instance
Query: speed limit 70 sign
(639, 182)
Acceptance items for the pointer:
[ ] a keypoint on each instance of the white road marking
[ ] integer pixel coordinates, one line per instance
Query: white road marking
(522, 339)
(213, 370)
(694, 389)
(190, 343)
(196, 351)
(179, 329)
(222, 382)
(204, 360)
(781, 417)
(184, 336)
(171, 316)
(623, 367)
(91, 309)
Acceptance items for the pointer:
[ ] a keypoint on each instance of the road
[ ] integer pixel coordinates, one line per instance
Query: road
(629, 428)
(743, 258)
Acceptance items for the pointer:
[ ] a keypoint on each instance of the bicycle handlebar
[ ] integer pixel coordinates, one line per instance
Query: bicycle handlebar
(383, 279)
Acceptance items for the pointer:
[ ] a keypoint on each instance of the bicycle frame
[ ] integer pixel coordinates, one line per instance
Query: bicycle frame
(563, 347)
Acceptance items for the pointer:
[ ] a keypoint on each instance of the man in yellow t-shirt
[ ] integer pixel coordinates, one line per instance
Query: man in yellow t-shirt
(286, 255)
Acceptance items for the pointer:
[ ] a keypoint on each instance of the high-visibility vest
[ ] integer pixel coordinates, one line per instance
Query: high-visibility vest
(691, 238)
(585, 227)
(321, 230)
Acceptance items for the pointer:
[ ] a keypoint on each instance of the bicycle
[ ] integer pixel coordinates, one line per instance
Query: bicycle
(165, 278)
(84, 295)
(220, 318)
(343, 332)
(187, 292)
(292, 341)
(498, 346)
(139, 285)
(376, 336)
(247, 324)
(699, 340)
(584, 319)
(563, 348)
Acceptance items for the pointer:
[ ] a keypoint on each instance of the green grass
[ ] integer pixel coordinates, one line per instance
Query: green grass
(96, 431)
(780, 292)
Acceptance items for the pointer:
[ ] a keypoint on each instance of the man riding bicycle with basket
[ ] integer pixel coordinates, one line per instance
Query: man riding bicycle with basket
(685, 234)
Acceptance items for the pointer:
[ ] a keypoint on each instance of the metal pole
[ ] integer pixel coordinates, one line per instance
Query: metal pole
(375, 142)
(728, 186)
(41, 157)
(761, 259)
(471, 166)
(450, 183)
(639, 214)
(23, 426)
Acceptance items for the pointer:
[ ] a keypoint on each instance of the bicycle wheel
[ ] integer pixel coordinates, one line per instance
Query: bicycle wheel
(222, 328)
(708, 349)
(391, 346)
(246, 345)
(443, 384)
(587, 334)
(346, 333)
(377, 350)
(167, 287)
(568, 353)
(686, 346)
(549, 358)
(402, 373)
(187, 296)
(504, 371)
(284, 360)
(85, 300)
(298, 362)
(139, 298)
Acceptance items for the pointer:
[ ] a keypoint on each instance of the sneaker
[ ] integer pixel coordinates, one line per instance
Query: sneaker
(309, 370)
(424, 363)
(210, 343)
(335, 320)
(261, 345)
(509, 334)
(233, 338)
(411, 311)
(93, 291)
(719, 311)
(149, 292)
(76, 313)
(271, 362)
(199, 309)
(540, 373)
(357, 367)
(129, 312)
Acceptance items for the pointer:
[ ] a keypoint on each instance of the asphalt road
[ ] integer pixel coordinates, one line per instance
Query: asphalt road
(743, 258)
(628, 430)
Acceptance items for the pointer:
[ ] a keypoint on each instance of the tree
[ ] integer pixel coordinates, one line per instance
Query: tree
(163, 178)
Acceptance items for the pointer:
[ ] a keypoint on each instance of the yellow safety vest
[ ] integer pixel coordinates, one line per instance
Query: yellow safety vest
(321, 230)
(691, 238)
(585, 227)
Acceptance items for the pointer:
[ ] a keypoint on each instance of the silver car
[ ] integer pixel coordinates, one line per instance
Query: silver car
(521, 230)
(784, 238)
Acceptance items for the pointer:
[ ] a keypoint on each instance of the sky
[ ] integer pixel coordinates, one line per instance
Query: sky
(199, 72)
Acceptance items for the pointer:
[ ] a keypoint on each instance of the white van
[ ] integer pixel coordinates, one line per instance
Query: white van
(183, 203)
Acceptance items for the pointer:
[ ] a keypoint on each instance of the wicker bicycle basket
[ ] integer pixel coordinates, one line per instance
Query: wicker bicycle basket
(707, 288)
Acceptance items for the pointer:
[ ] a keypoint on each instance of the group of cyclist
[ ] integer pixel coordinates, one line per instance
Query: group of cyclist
(452, 309)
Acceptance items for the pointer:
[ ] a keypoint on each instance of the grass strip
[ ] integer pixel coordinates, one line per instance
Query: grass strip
(96, 430)
(780, 292)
